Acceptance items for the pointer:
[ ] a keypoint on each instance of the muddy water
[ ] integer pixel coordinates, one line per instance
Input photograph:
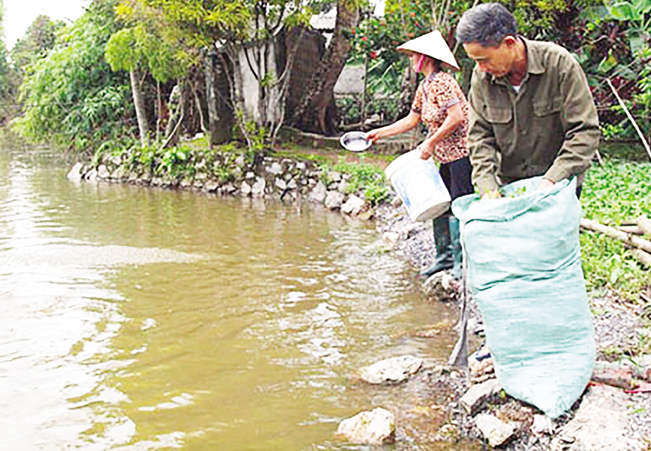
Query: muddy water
(137, 318)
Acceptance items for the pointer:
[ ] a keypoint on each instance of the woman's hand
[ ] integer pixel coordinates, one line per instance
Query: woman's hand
(426, 149)
(373, 136)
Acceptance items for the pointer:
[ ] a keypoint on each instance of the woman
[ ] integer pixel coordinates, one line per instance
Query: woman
(441, 104)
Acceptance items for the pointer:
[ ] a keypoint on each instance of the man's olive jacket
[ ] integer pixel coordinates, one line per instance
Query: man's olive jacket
(549, 128)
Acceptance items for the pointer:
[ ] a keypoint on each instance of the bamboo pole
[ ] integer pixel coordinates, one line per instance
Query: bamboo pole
(644, 223)
(635, 230)
(627, 238)
(643, 257)
(630, 117)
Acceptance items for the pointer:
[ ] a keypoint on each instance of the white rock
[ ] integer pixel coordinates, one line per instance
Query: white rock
(334, 176)
(275, 168)
(258, 187)
(119, 174)
(599, 423)
(318, 194)
(75, 173)
(391, 238)
(228, 188)
(395, 369)
(211, 186)
(245, 188)
(496, 431)
(478, 393)
(353, 205)
(281, 184)
(334, 199)
(103, 173)
(369, 428)
(541, 425)
(441, 286)
(91, 176)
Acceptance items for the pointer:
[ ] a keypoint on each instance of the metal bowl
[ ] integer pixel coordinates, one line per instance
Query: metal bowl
(355, 141)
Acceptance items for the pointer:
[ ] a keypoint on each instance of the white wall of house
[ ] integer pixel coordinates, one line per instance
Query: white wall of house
(250, 88)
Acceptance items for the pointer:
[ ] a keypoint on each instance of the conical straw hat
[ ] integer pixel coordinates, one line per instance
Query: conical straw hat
(431, 44)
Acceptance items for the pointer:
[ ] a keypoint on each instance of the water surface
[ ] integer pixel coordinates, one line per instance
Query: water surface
(138, 318)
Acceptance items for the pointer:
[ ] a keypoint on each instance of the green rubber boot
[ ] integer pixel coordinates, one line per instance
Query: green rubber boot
(442, 241)
(457, 254)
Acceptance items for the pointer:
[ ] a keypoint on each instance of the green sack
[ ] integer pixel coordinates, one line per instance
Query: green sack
(524, 271)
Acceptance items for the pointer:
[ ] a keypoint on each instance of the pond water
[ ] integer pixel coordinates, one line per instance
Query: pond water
(139, 318)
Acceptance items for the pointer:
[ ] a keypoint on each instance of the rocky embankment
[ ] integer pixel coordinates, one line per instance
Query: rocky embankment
(234, 175)
(613, 414)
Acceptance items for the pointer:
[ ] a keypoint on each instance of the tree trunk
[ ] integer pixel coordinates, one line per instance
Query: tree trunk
(211, 98)
(139, 103)
(313, 113)
(177, 114)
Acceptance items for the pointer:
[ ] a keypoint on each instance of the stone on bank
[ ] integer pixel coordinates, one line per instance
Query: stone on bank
(376, 427)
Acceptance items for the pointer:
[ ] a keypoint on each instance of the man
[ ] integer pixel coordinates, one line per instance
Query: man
(531, 112)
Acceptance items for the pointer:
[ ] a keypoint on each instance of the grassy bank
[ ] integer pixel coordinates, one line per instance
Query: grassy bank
(615, 193)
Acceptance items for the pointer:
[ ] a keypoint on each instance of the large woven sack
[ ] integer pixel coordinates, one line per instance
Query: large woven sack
(524, 271)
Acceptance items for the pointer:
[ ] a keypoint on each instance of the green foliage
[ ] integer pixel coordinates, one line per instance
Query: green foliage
(613, 42)
(71, 97)
(257, 137)
(7, 83)
(366, 178)
(150, 41)
(536, 20)
(172, 159)
(173, 163)
(39, 38)
(205, 21)
(614, 193)
(374, 42)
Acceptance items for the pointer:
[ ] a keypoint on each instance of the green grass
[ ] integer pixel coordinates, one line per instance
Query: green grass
(367, 178)
(615, 193)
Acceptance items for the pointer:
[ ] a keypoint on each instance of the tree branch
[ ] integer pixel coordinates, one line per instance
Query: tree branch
(630, 117)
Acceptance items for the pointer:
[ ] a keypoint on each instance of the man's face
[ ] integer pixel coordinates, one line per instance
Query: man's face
(496, 61)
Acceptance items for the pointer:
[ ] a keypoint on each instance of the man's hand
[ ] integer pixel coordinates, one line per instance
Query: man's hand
(494, 194)
(545, 183)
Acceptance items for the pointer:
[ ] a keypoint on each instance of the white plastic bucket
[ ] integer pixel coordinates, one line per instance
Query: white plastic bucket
(419, 185)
